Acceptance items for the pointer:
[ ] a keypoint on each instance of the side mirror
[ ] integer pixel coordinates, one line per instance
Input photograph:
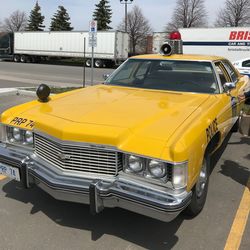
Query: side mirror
(228, 86)
(105, 76)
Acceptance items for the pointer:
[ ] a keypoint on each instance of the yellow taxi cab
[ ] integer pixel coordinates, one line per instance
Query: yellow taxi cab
(141, 141)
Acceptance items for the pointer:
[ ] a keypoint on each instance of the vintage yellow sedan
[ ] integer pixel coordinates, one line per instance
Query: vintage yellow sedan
(141, 141)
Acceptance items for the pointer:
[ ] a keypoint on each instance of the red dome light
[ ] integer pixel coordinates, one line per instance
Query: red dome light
(175, 35)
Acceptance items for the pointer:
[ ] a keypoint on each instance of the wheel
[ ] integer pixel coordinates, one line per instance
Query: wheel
(98, 63)
(109, 64)
(33, 59)
(199, 190)
(16, 58)
(28, 59)
(23, 59)
(88, 63)
(38, 59)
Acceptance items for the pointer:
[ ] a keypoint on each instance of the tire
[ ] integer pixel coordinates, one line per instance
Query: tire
(16, 58)
(28, 59)
(38, 59)
(98, 63)
(33, 59)
(109, 64)
(23, 59)
(88, 63)
(199, 190)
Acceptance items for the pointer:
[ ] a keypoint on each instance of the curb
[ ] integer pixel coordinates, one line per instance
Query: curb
(20, 91)
(25, 92)
(8, 91)
(14, 91)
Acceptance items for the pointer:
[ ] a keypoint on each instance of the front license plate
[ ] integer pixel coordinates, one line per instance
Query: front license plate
(8, 171)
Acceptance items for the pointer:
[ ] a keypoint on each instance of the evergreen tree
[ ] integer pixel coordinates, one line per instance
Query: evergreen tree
(102, 15)
(35, 22)
(60, 20)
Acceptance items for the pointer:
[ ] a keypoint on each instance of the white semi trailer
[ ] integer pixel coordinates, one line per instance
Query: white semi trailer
(112, 46)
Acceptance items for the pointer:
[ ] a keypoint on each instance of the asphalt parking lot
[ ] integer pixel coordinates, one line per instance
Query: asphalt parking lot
(31, 219)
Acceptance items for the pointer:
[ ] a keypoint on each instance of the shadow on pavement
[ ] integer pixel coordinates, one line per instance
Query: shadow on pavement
(243, 140)
(217, 154)
(247, 157)
(141, 230)
(235, 171)
(232, 169)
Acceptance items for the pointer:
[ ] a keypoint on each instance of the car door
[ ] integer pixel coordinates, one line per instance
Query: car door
(228, 109)
(240, 85)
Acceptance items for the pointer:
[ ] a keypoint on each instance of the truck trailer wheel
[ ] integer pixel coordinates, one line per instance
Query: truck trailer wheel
(23, 59)
(98, 63)
(88, 63)
(16, 58)
(109, 64)
(200, 190)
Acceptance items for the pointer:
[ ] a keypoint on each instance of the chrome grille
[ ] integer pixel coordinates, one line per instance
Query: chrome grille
(78, 158)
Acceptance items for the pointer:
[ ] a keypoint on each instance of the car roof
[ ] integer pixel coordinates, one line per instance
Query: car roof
(189, 57)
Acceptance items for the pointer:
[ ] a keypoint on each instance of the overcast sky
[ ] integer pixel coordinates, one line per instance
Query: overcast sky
(158, 12)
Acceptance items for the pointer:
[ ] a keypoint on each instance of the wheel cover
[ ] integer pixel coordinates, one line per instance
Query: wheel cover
(88, 63)
(202, 181)
(98, 63)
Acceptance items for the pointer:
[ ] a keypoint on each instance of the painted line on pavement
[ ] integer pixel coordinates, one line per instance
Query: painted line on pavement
(240, 220)
(2, 177)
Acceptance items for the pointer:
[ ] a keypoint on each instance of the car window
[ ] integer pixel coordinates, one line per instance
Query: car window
(246, 63)
(126, 72)
(174, 75)
(142, 69)
(230, 70)
(221, 71)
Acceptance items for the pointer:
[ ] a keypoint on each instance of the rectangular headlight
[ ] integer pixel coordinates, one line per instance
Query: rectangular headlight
(179, 178)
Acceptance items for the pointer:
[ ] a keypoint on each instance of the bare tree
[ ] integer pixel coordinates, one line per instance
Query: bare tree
(138, 28)
(187, 14)
(234, 13)
(17, 21)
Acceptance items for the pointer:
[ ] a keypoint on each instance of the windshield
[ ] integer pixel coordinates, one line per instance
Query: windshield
(173, 75)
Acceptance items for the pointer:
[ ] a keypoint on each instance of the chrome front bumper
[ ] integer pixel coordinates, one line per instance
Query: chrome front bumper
(97, 192)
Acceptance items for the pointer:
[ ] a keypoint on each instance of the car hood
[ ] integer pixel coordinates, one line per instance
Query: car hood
(118, 116)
